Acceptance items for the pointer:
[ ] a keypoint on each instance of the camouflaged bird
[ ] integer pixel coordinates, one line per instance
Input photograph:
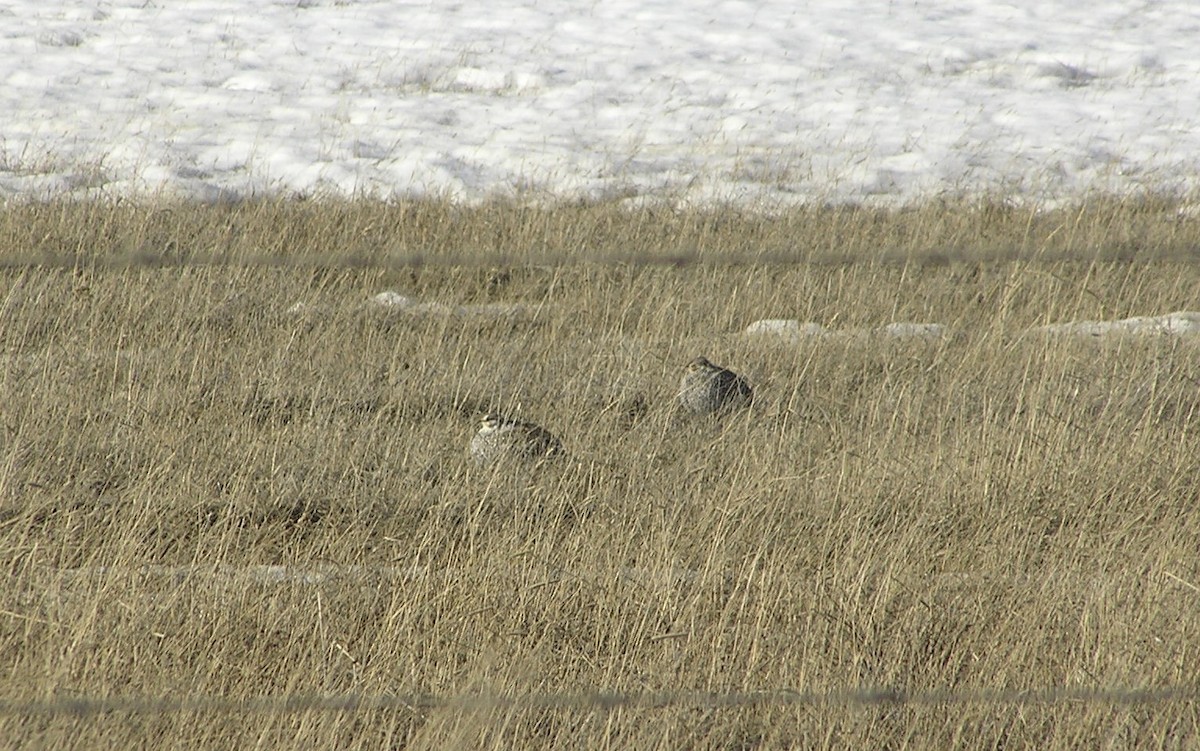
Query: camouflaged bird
(501, 438)
(709, 389)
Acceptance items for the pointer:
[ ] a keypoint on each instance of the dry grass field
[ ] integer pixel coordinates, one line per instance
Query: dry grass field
(236, 498)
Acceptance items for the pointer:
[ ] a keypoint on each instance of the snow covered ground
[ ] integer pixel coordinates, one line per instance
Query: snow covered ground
(764, 102)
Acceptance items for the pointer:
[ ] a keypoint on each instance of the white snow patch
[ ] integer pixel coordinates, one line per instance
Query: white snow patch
(790, 329)
(786, 328)
(394, 300)
(915, 330)
(390, 299)
(1180, 323)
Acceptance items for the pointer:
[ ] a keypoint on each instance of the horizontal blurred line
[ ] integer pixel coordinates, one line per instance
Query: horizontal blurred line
(587, 701)
(714, 258)
(333, 574)
(484, 259)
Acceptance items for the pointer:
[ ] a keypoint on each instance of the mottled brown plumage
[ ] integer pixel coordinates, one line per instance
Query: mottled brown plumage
(501, 438)
(710, 389)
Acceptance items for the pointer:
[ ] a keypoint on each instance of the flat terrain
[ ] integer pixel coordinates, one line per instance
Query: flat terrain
(226, 475)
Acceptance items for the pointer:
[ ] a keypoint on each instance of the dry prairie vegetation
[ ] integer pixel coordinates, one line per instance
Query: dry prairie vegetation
(994, 511)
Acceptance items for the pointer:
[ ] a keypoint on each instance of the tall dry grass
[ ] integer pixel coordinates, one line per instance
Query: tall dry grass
(374, 233)
(994, 511)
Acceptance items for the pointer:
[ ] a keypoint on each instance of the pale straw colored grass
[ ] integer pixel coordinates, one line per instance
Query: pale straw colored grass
(991, 511)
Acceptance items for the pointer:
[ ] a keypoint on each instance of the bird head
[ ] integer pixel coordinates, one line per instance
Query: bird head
(491, 421)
